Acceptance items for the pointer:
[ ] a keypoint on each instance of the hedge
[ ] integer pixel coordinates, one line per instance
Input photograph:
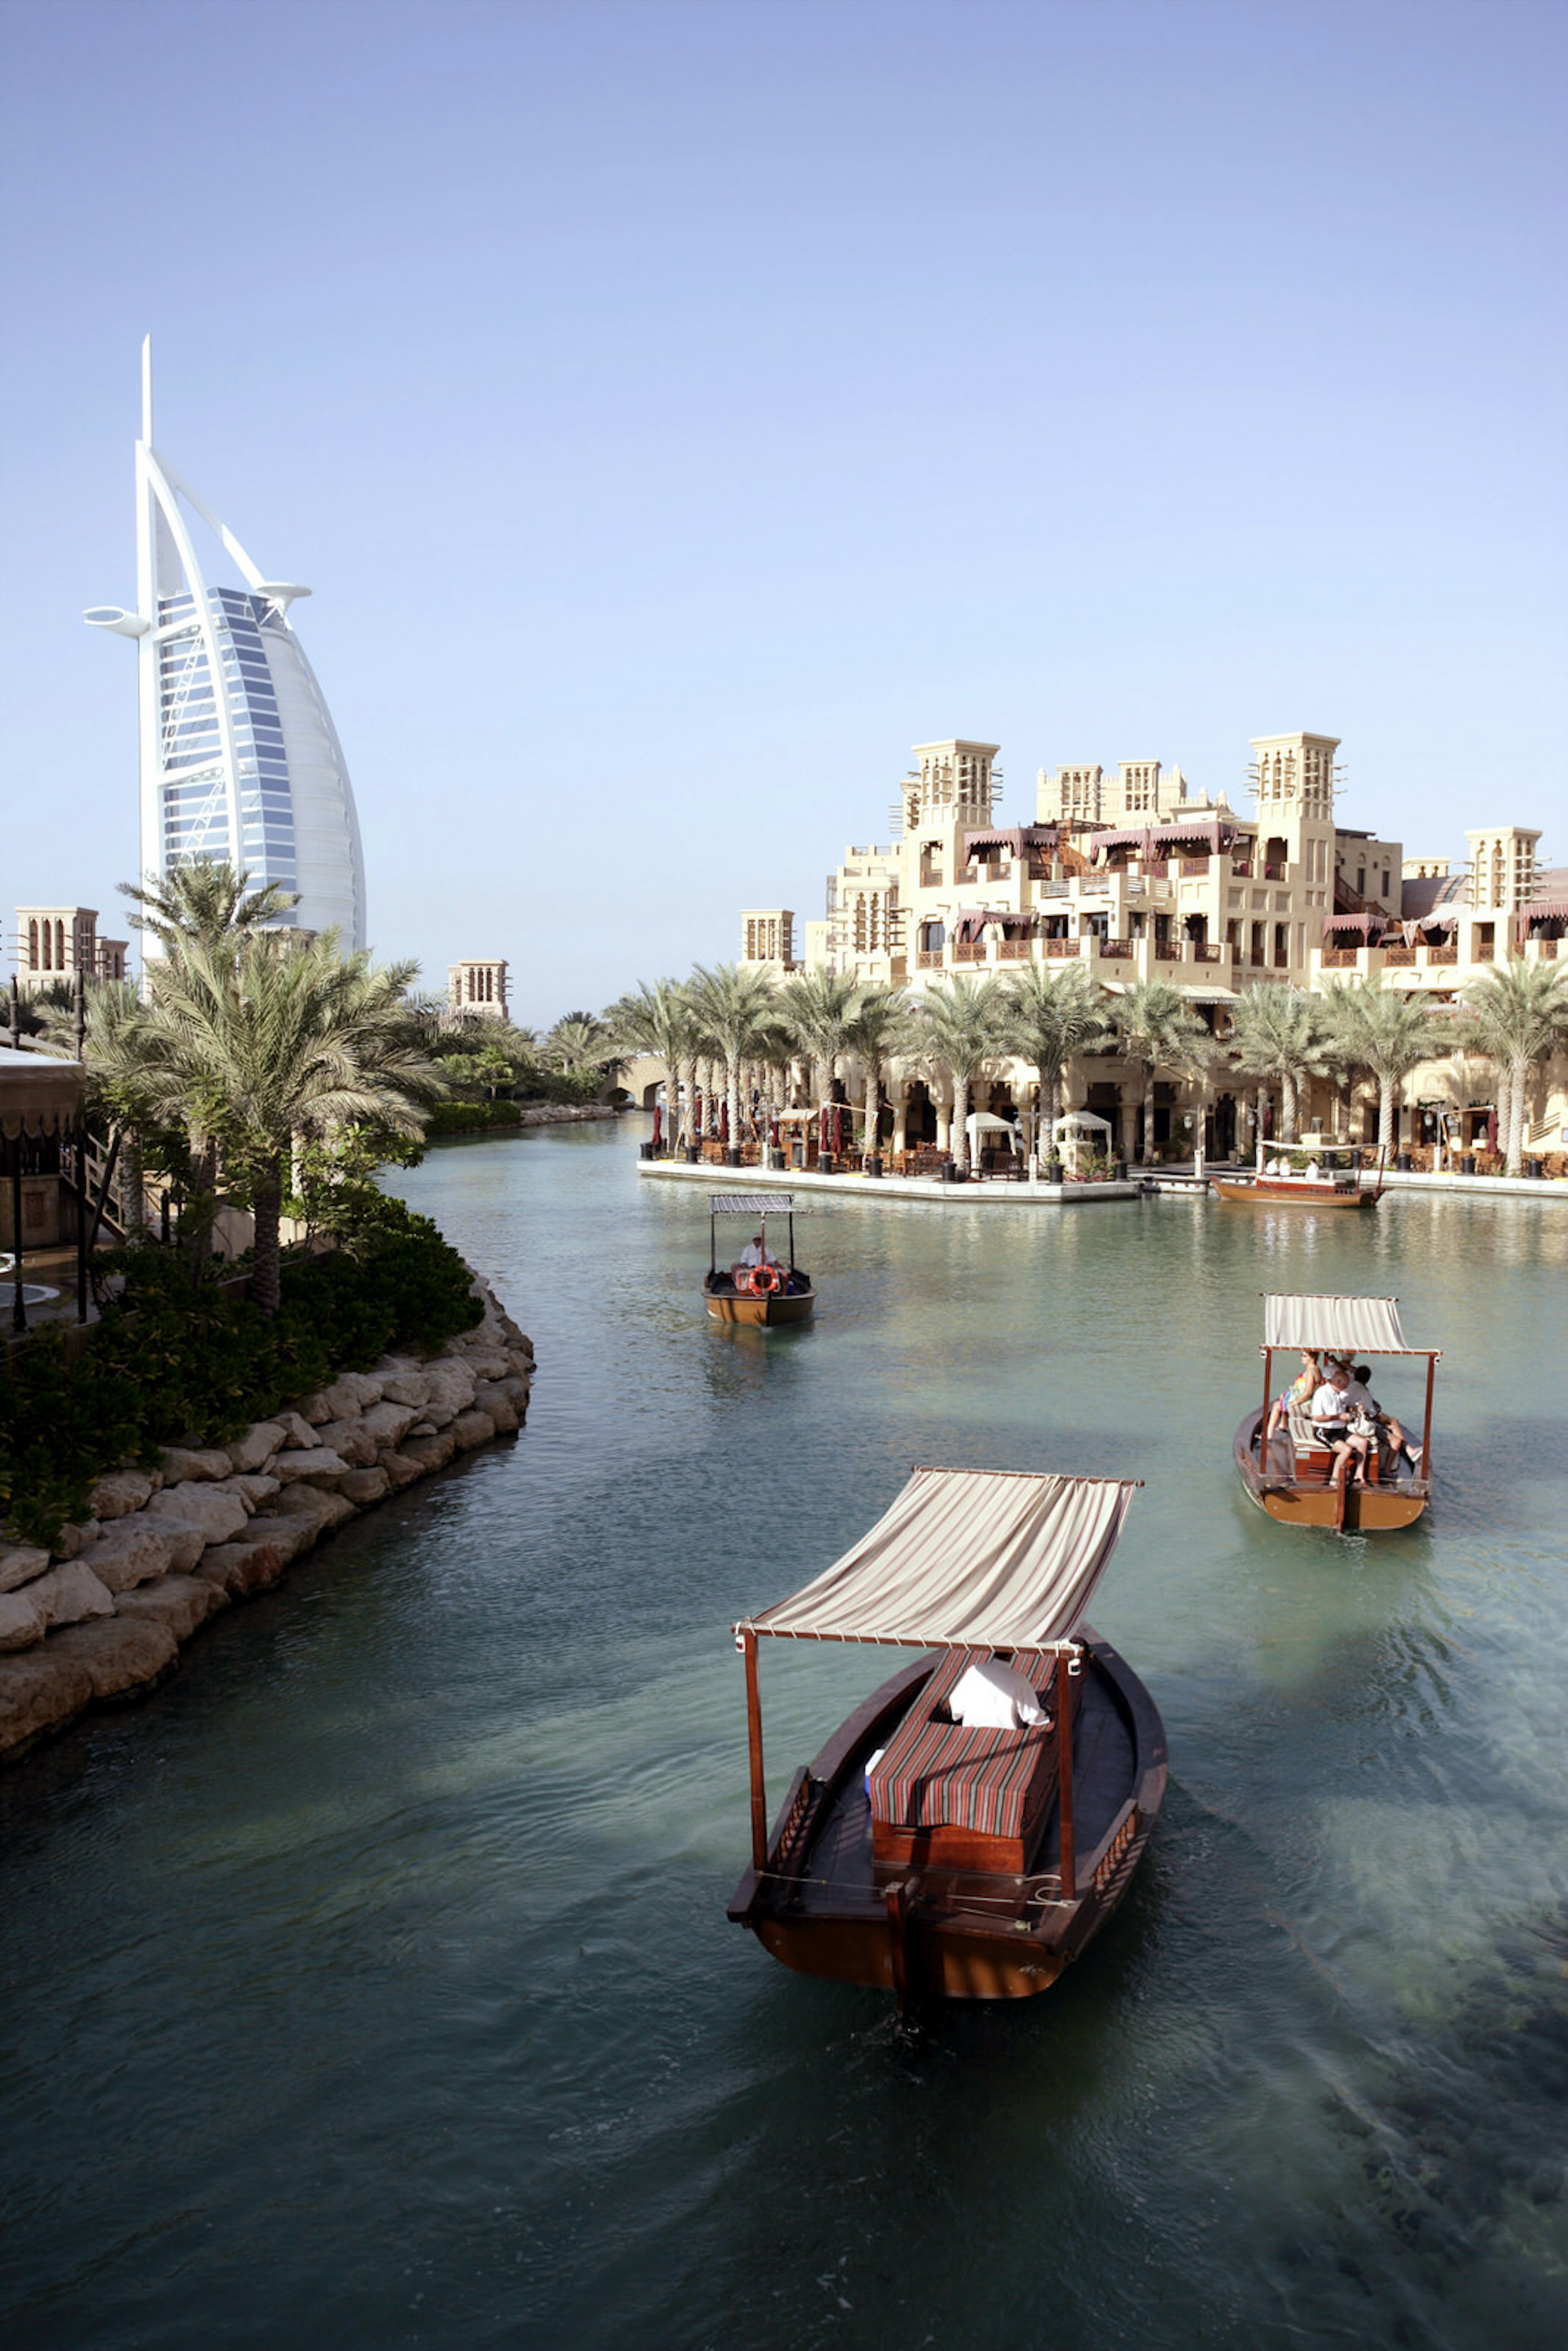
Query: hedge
(173, 1361)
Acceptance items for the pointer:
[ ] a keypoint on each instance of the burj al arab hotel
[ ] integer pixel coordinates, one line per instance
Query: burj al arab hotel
(240, 760)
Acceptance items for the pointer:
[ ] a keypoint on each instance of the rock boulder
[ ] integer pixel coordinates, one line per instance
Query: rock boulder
(388, 1424)
(122, 1491)
(430, 1452)
(178, 1602)
(71, 1594)
(219, 1516)
(252, 1487)
(400, 1468)
(38, 1692)
(239, 1568)
(352, 1393)
(121, 1658)
(313, 1507)
(182, 1469)
(363, 1486)
(350, 1440)
(21, 1563)
(261, 1441)
(22, 1621)
(133, 1553)
(319, 1467)
(472, 1428)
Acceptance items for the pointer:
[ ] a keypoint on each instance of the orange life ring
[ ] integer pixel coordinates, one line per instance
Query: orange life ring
(765, 1280)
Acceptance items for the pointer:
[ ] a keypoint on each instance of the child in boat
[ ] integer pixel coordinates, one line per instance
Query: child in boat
(1302, 1390)
(1358, 1392)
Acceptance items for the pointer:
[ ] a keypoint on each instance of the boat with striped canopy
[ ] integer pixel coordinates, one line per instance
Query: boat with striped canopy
(763, 1293)
(972, 1825)
(1285, 1461)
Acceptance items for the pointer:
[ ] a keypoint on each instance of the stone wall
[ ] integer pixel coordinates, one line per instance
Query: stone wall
(102, 1618)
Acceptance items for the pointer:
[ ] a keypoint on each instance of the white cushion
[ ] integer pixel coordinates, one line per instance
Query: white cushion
(994, 1696)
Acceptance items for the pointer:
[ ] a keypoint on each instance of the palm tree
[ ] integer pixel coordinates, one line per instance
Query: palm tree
(737, 1006)
(1050, 1017)
(1388, 1031)
(1281, 1033)
(1516, 1014)
(262, 1040)
(114, 1052)
(204, 902)
(880, 1025)
(817, 1010)
(580, 1041)
(1156, 1028)
(659, 1020)
(961, 1027)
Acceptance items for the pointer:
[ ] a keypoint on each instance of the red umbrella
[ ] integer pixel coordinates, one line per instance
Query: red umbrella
(838, 1130)
(658, 1125)
(1492, 1130)
(723, 1120)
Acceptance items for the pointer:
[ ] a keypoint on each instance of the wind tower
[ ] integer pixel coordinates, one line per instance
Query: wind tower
(239, 758)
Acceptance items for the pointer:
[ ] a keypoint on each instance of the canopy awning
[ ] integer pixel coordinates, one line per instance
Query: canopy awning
(1134, 836)
(1362, 926)
(990, 1559)
(984, 1122)
(1018, 838)
(749, 1204)
(1082, 1119)
(1411, 931)
(1215, 832)
(1341, 1326)
(973, 920)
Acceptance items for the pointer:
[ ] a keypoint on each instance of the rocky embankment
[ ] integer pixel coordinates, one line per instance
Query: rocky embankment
(102, 1616)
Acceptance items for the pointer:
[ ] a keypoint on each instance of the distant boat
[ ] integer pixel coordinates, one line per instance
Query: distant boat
(940, 1858)
(1328, 1185)
(763, 1294)
(1292, 1476)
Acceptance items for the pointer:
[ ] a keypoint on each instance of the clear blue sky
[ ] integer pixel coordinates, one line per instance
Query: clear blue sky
(681, 409)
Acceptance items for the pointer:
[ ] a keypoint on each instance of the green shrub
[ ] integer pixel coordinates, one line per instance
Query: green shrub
(465, 1118)
(175, 1360)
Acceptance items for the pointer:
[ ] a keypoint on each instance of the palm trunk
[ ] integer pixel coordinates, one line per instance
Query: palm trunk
(266, 1280)
(732, 1094)
(1518, 1079)
(132, 1185)
(1288, 1106)
(1259, 1118)
(1384, 1114)
(959, 1143)
(872, 1109)
(1050, 1097)
(1148, 1113)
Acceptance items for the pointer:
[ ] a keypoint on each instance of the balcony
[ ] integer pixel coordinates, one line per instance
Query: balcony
(1340, 958)
(1013, 951)
(1166, 951)
(1195, 866)
(1115, 950)
(928, 959)
(1060, 950)
(972, 951)
(1203, 952)
(1398, 954)
(1443, 955)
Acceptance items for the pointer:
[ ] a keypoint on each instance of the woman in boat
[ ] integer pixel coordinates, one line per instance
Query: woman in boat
(1302, 1391)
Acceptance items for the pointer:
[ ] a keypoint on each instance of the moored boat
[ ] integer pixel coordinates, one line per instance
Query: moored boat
(1291, 1470)
(927, 1852)
(1313, 1174)
(766, 1293)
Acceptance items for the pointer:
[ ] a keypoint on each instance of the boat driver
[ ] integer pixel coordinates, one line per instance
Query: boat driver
(1331, 1418)
(757, 1252)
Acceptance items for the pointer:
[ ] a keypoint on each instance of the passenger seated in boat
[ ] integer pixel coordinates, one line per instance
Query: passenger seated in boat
(1358, 1392)
(1313, 1171)
(1301, 1392)
(1330, 1419)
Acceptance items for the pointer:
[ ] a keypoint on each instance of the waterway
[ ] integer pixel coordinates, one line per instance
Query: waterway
(370, 1986)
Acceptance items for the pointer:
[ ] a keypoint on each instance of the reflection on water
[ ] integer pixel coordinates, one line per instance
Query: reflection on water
(371, 1985)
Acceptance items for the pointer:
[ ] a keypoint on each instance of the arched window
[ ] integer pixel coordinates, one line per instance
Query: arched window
(32, 945)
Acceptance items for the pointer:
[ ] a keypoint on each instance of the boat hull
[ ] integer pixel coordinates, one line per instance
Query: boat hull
(1367, 1510)
(1272, 1192)
(822, 1907)
(764, 1313)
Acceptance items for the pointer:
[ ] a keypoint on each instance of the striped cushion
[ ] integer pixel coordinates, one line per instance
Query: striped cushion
(940, 1775)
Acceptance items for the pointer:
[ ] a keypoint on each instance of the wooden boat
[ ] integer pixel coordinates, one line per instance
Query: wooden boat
(1295, 1483)
(929, 1857)
(1333, 1186)
(765, 1294)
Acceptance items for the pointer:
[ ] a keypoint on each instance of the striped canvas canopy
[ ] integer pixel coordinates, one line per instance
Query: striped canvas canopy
(990, 1559)
(1343, 1326)
(749, 1204)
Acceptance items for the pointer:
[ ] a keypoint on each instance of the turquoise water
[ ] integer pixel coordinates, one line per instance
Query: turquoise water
(370, 1985)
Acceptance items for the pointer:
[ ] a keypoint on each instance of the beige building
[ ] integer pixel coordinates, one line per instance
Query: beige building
(476, 989)
(1135, 877)
(768, 936)
(56, 942)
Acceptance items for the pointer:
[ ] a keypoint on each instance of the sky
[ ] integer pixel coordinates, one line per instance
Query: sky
(681, 409)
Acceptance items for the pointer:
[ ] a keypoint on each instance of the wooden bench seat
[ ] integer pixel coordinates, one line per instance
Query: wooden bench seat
(957, 1798)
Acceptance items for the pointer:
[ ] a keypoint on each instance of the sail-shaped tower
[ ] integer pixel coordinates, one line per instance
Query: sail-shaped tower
(240, 759)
